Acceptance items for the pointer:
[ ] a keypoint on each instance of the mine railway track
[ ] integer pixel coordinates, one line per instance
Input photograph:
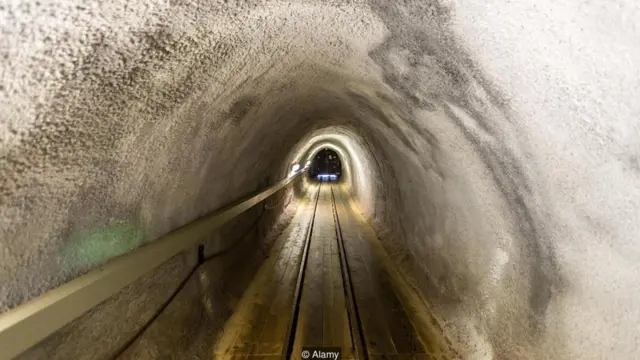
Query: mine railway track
(355, 325)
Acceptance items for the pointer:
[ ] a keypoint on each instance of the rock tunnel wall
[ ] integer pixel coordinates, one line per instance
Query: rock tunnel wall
(495, 145)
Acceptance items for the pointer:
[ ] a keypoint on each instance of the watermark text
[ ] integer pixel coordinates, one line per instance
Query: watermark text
(332, 353)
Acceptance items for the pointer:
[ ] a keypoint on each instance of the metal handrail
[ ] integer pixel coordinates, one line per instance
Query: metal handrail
(26, 325)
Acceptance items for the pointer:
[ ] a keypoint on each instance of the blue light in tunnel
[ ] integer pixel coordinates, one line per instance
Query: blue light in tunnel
(327, 177)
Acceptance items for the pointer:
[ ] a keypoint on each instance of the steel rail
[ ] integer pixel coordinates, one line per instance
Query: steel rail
(26, 325)
(290, 334)
(355, 322)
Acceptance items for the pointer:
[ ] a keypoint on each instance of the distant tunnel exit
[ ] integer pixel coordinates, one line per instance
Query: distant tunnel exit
(325, 166)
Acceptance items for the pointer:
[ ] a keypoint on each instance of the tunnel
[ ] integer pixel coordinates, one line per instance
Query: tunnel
(488, 205)
(325, 166)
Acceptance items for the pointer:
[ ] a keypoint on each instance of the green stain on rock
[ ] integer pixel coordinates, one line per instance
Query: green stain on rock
(88, 248)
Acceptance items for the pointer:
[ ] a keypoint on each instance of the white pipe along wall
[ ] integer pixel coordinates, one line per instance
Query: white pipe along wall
(495, 144)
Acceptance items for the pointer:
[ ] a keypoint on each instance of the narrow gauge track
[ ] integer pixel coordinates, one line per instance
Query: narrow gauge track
(355, 324)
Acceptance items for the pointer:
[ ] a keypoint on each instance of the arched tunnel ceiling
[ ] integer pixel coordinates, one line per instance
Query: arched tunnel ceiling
(494, 143)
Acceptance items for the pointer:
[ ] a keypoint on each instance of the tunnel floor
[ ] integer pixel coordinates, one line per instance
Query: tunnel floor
(347, 293)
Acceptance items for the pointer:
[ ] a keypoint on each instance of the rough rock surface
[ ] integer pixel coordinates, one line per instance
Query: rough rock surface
(495, 142)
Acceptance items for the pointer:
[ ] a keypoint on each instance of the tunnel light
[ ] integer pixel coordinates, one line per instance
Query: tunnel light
(294, 169)
(324, 177)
